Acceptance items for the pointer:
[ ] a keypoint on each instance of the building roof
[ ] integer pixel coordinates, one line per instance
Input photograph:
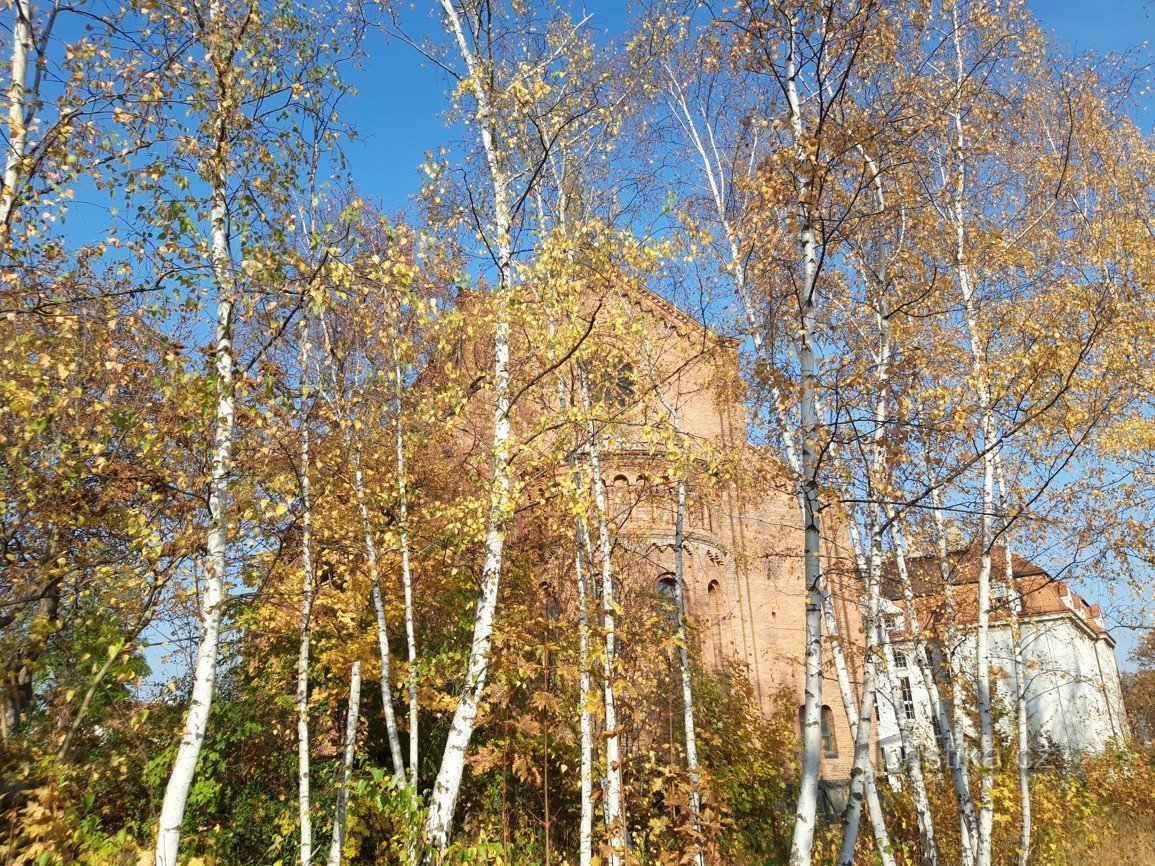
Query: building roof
(1042, 595)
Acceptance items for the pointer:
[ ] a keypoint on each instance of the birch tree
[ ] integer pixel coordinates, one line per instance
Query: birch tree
(493, 81)
(249, 56)
(217, 36)
(341, 812)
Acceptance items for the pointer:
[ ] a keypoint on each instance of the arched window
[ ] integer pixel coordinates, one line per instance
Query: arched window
(645, 503)
(716, 611)
(829, 744)
(550, 601)
(614, 387)
(619, 504)
(667, 496)
(826, 718)
(668, 599)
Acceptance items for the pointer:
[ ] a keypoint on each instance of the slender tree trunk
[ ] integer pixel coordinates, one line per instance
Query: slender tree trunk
(987, 424)
(928, 847)
(687, 691)
(691, 736)
(342, 808)
(612, 795)
(585, 699)
(715, 178)
(941, 712)
(216, 546)
(585, 687)
(869, 789)
(406, 573)
(802, 841)
(862, 782)
(438, 824)
(306, 617)
(18, 116)
(379, 610)
(983, 666)
(1022, 731)
(959, 761)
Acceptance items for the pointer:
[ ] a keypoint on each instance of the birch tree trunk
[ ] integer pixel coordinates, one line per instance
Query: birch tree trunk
(216, 544)
(703, 140)
(585, 690)
(443, 800)
(379, 610)
(960, 764)
(928, 848)
(585, 717)
(612, 795)
(1014, 599)
(684, 659)
(941, 712)
(342, 809)
(302, 696)
(683, 642)
(877, 493)
(869, 789)
(802, 840)
(18, 115)
(406, 573)
(987, 426)
(861, 771)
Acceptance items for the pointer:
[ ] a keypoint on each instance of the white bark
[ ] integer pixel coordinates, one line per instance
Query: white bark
(443, 800)
(379, 610)
(585, 685)
(802, 840)
(939, 708)
(704, 143)
(585, 718)
(612, 795)
(684, 645)
(684, 659)
(861, 773)
(877, 493)
(406, 573)
(18, 116)
(869, 788)
(216, 546)
(342, 808)
(1022, 731)
(306, 618)
(987, 424)
(928, 848)
(960, 763)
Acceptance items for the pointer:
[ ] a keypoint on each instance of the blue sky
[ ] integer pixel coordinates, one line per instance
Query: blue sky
(401, 100)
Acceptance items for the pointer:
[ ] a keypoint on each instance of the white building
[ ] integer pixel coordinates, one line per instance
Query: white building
(1074, 698)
